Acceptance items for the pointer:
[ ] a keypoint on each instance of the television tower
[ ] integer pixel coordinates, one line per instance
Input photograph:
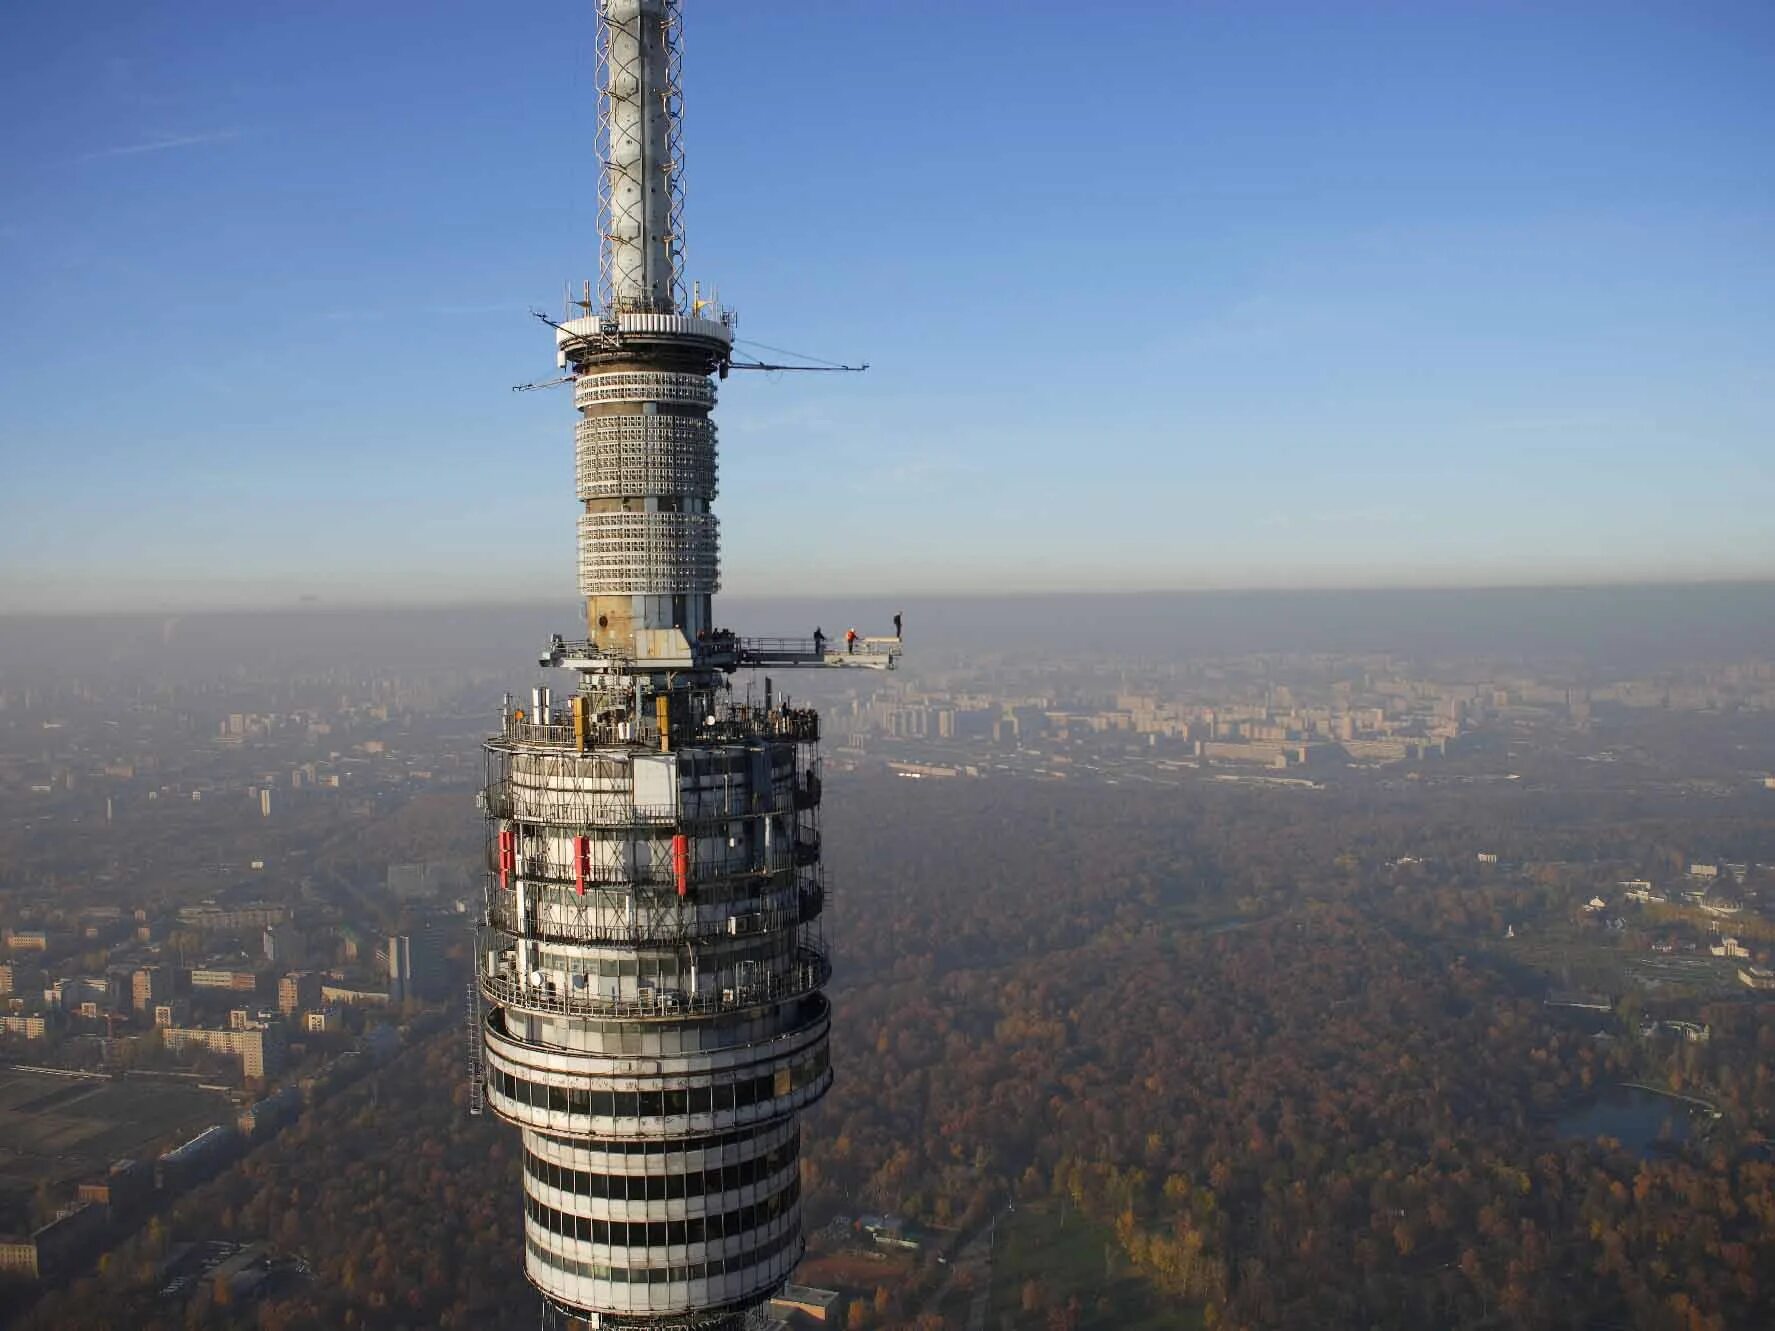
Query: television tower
(652, 955)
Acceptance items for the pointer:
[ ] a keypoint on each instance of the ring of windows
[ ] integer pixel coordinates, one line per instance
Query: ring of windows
(742, 1093)
(664, 1275)
(662, 1187)
(660, 1233)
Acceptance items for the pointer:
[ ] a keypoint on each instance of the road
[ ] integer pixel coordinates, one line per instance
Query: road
(972, 1255)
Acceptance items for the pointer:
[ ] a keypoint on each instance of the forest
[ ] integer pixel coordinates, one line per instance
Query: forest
(1294, 1079)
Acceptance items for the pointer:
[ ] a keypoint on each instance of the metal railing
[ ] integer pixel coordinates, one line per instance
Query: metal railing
(738, 725)
(659, 877)
(810, 973)
(546, 927)
(615, 813)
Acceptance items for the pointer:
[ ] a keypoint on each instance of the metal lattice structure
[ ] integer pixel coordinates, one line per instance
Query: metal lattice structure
(639, 141)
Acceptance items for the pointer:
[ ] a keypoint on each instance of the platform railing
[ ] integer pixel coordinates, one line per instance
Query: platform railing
(551, 927)
(613, 816)
(738, 725)
(810, 972)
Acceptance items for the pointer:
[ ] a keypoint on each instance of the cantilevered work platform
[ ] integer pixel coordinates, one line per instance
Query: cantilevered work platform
(728, 652)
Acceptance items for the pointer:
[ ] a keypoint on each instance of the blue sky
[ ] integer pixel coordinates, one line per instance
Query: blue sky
(1155, 294)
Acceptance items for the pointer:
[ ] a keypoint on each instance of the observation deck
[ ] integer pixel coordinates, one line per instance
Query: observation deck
(622, 334)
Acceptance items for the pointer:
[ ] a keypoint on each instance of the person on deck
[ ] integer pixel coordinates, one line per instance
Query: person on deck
(896, 626)
(850, 641)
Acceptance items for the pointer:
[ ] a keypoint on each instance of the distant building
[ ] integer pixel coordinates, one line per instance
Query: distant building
(271, 1113)
(232, 919)
(242, 1275)
(31, 1025)
(823, 1305)
(348, 993)
(122, 1190)
(148, 986)
(18, 1257)
(26, 940)
(323, 1021)
(1729, 947)
(20, 977)
(415, 966)
(1756, 977)
(1393, 749)
(225, 977)
(52, 1249)
(197, 1158)
(1688, 1031)
(283, 944)
(887, 1231)
(261, 1051)
(296, 991)
(173, 1012)
(72, 991)
(1264, 753)
(1590, 1002)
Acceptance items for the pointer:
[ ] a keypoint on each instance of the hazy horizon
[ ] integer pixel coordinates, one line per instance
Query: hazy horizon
(1589, 629)
(46, 603)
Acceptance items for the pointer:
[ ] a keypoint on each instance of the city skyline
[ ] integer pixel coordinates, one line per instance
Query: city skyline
(1449, 298)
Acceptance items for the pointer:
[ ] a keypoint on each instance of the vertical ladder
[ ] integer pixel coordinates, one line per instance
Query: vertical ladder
(473, 1021)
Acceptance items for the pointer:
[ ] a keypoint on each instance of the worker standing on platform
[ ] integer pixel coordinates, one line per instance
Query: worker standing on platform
(850, 641)
(896, 626)
(819, 641)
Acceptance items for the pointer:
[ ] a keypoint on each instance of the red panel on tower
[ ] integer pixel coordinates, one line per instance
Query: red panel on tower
(582, 857)
(681, 862)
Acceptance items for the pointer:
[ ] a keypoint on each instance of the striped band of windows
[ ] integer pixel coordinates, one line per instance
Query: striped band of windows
(660, 1233)
(664, 1275)
(662, 1187)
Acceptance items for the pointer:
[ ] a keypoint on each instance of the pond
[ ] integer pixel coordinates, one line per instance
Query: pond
(1640, 1120)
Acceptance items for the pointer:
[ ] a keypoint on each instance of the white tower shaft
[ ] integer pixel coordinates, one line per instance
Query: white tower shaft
(652, 955)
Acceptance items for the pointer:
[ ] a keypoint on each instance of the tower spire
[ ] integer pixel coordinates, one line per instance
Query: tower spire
(640, 148)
